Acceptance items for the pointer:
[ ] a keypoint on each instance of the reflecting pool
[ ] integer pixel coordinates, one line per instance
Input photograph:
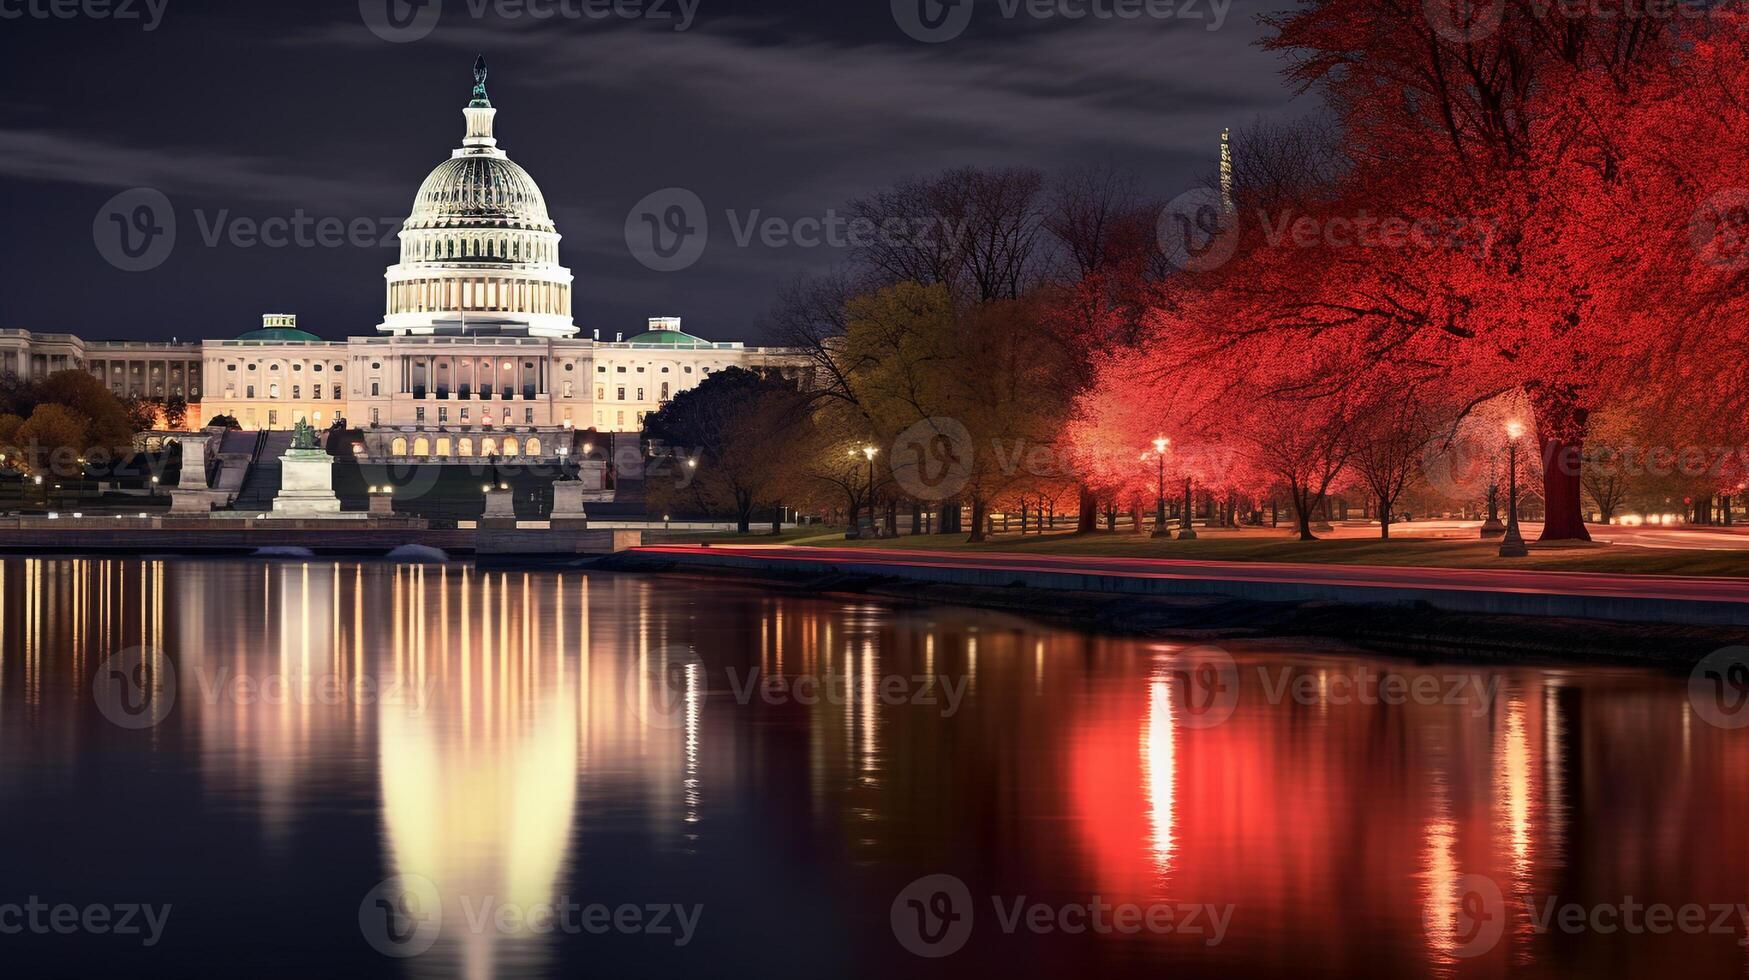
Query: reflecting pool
(298, 768)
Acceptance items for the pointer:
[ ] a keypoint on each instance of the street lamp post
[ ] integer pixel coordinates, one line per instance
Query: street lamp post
(1160, 528)
(873, 526)
(1512, 546)
(1188, 531)
(855, 531)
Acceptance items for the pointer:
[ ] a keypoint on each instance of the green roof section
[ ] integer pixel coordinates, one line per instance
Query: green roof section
(282, 335)
(667, 338)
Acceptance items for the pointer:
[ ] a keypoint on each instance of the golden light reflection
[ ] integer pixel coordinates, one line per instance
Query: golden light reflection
(1160, 770)
(1440, 873)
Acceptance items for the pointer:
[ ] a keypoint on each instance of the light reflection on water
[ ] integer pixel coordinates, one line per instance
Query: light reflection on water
(519, 739)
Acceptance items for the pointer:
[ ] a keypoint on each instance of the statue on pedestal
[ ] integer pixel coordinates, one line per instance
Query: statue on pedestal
(304, 436)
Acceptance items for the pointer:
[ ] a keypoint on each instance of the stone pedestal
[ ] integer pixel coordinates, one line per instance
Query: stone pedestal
(570, 497)
(382, 504)
(500, 510)
(1492, 528)
(306, 486)
(193, 475)
(568, 509)
(194, 501)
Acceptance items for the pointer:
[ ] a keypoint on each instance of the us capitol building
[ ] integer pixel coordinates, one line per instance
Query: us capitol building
(476, 354)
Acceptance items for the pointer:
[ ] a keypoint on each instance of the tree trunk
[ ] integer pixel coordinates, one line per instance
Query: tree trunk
(1385, 509)
(950, 517)
(916, 518)
(1561, 431)
(978, 520)
(776, 519)
(1087, 519)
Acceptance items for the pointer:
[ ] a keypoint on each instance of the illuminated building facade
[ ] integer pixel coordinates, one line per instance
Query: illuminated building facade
(476, 346)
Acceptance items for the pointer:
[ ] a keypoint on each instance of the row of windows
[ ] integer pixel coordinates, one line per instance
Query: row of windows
(601, 393)
(156, 369)
(480, 295)
(464, 447)
(622, 369)
(297, 391)
(428, 247)
(485, 415)
(273, 368)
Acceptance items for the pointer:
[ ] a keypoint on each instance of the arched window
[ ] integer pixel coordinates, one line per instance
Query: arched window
(398, 447)
(510, 446)
(443, 446)
(421, 446)
(488, 446)
(532, 447)
(465, 447)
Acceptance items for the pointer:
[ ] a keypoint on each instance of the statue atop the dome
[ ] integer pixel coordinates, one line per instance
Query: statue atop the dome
(480, 99)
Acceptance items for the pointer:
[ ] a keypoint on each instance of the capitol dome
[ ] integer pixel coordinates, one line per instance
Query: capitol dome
(486, 190)
(479, 253)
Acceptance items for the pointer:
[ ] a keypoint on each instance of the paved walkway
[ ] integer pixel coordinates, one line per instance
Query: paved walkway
(1639, 598)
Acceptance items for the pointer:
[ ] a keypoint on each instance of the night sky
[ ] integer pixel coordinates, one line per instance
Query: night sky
(239, 112)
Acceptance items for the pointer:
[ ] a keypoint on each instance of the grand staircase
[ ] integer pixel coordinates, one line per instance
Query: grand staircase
(261, 481)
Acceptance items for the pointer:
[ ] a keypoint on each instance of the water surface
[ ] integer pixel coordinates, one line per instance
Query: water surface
(780, 771)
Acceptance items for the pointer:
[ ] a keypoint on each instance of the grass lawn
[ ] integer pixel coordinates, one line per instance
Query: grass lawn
(1253, 546)
(814, 534)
